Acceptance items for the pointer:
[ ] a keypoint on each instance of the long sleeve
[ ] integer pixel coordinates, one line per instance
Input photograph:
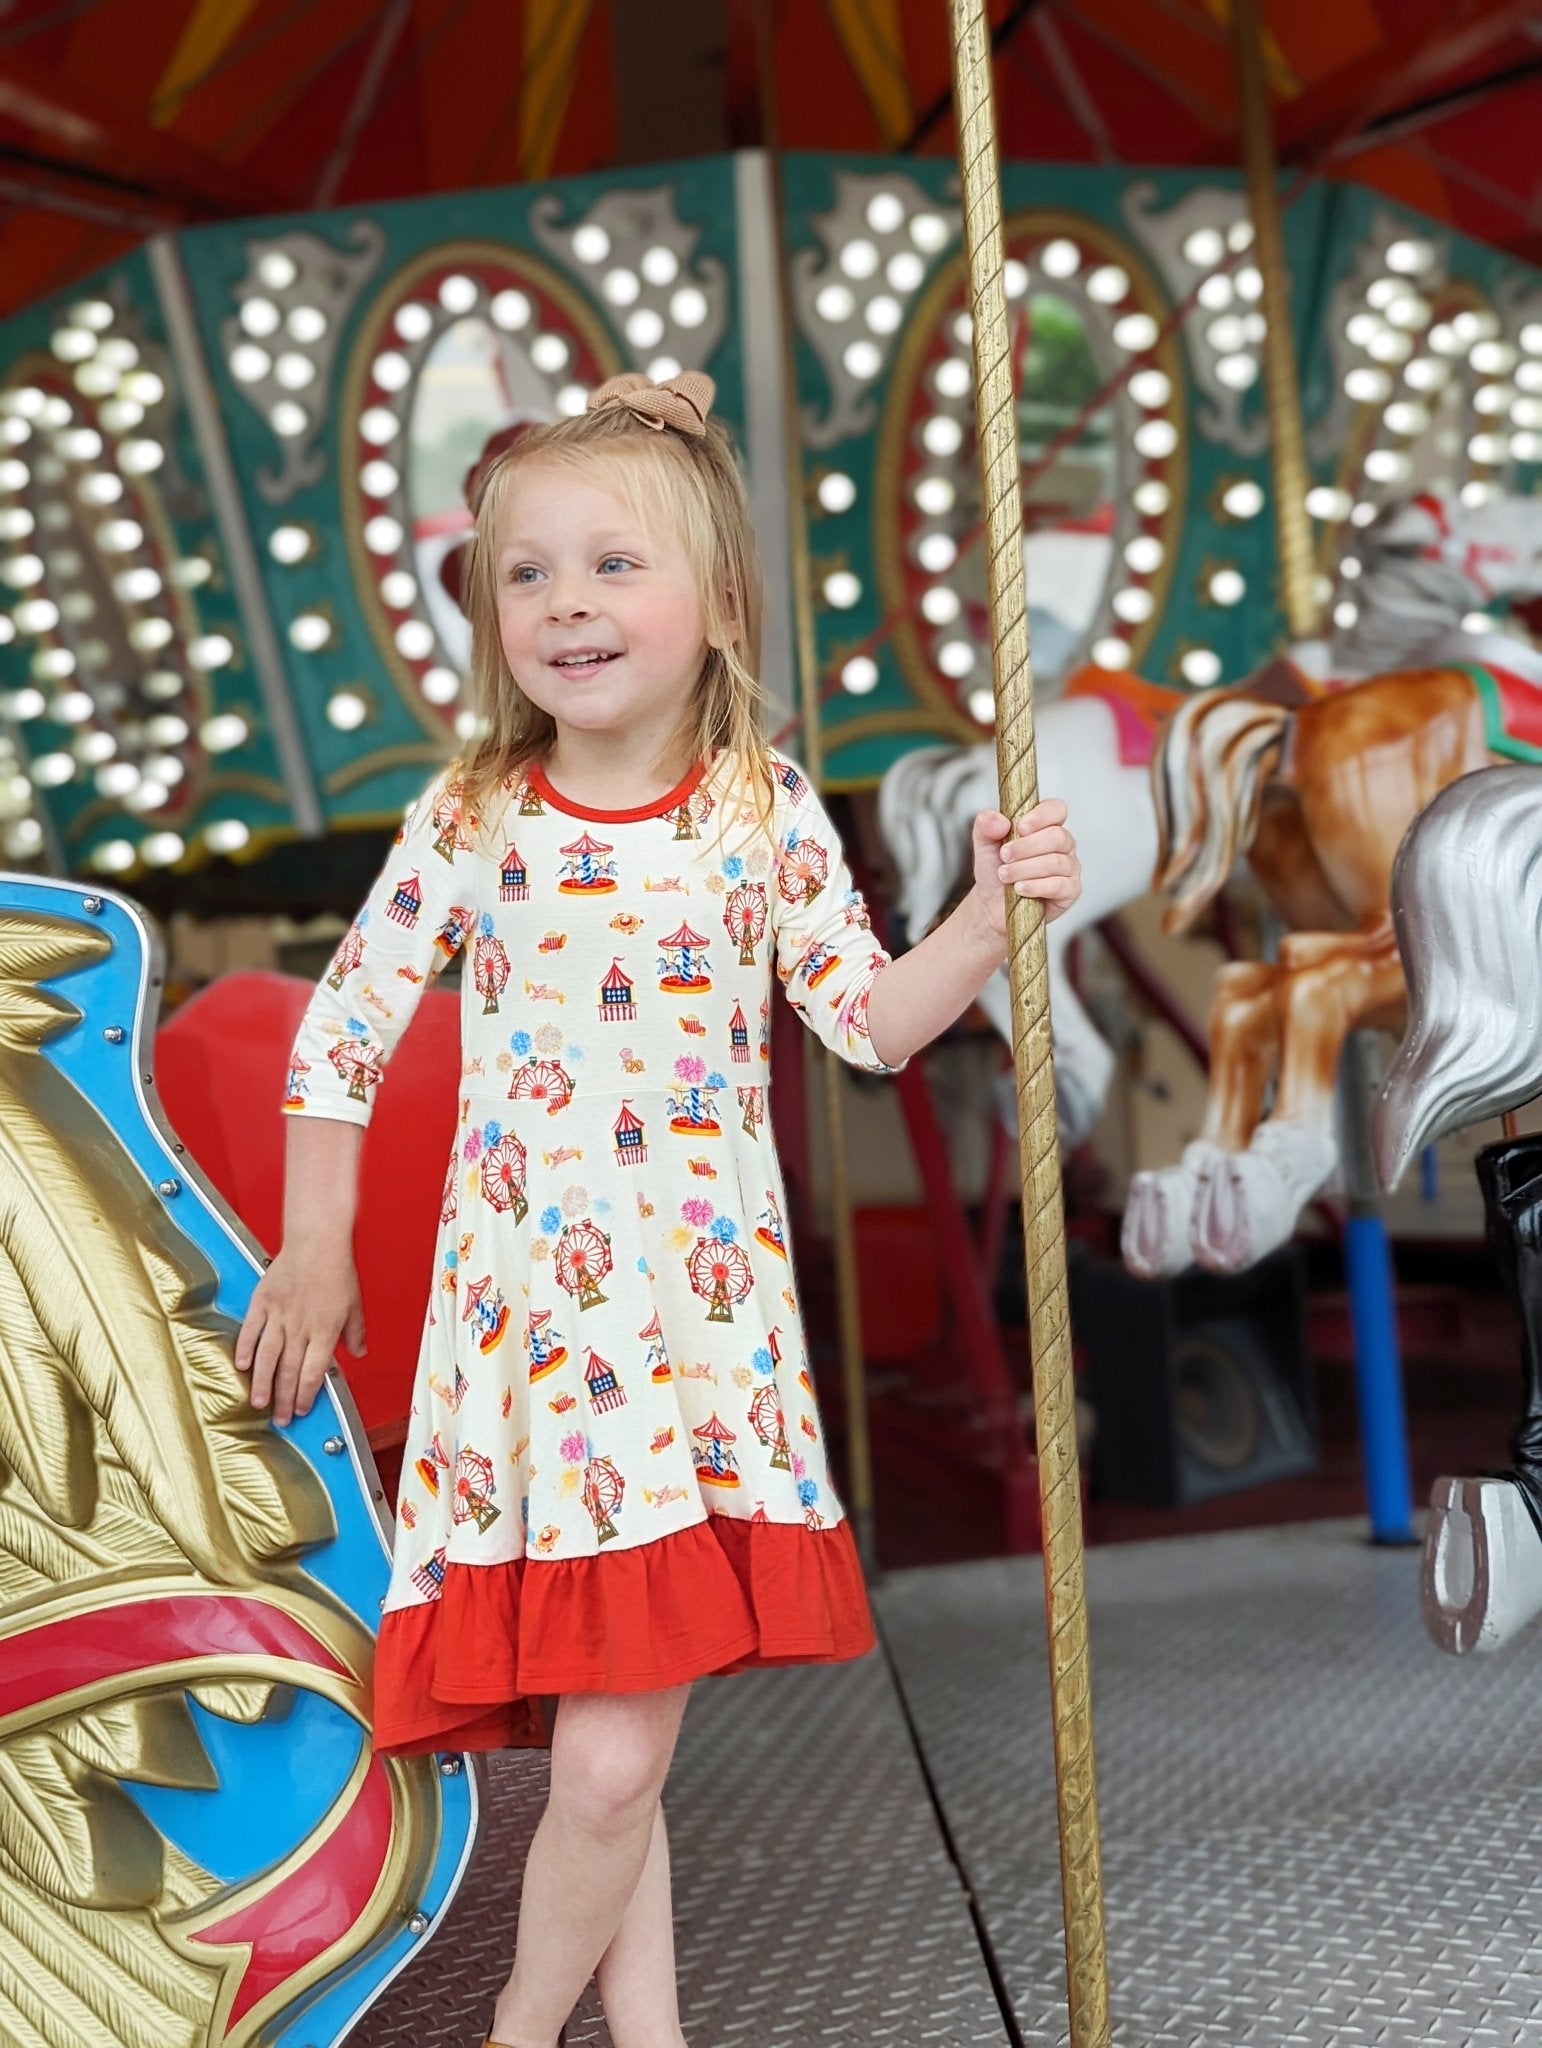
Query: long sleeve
(827, 957)
(417, 914)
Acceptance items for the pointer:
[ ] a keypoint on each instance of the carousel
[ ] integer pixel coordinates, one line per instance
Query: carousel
(1141, 405)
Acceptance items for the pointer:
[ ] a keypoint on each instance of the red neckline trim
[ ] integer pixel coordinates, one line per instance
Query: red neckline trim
(536, 775)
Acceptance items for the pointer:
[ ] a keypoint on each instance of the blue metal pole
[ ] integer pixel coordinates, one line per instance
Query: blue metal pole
(1378, 1378)
(1373, 1308)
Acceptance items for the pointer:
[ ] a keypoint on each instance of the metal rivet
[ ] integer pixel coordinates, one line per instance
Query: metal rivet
(168, 1187)
(114, 1034)
(450, 1767)
(334, 1447)
(91, 903)
(418, 1924)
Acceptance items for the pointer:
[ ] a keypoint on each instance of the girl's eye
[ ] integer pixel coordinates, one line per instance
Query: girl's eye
(615, 562)
(525, 573)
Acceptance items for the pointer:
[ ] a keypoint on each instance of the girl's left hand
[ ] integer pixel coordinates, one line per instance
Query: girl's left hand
(1039, 859)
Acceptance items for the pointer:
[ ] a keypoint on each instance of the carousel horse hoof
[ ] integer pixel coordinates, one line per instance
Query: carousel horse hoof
(1481, 1581)
(1155, 1237)
(1248, 1204)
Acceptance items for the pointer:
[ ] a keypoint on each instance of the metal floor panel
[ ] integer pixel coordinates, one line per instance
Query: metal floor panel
(1318, 1832)
(816, 1905)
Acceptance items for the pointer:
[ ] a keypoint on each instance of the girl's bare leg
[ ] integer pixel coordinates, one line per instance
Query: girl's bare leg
(637, 1972)
(610, 1755)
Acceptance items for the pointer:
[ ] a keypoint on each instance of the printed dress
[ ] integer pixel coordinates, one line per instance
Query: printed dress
(615, 1475)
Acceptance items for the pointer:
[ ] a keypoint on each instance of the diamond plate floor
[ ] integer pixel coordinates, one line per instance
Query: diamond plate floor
(1317, 1831)
(816, 1905)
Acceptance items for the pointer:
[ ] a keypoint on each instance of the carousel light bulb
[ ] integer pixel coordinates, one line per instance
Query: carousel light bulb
(121, 415)
(930, 232)
(226, 835)
(113, 856)
(165, 729)
(837, 491)
(621, 287)
(963, 330)
(952, 378)
(1381, 291)
(956, 658)
(259, 317)
(1389, 346)
(858, 258)
(288, 419)
(119, 536)
(116, 778)
(510, 309)
(93, 313)
(294, 371)
(73, 344)
(1201, 666)
(15, 432)
(1243, 499)
(885, 213)
(211, 650)
(1111, 652)
(415, 639)
(1060, 258)
(1386, 466)
(842, 589)
(1527, 412)
(1227, 587)
(93, 748)
(1250, 284)
(659, 265)
(226, 730)
(882, 313)
(379, 425)
(458, 294)
(95, 378)
(1204, 248)
(1155, 439)
(139, 458)
(399, 589)
(904, 270)
(1492, 358)
(1351, 567)
(306, 324)
(941, 435)
(1135, 333)
(591, 244)
(310, 631)
(469, 725)
(1150, 389)
(1361, 329)
(37, 615)
(378, 479)
(151, 635)
(1239, 236)
(834, 303)
(981, 705)
(1151, 497)
(101, 488)
(71, 707)
(1145, 554)
(1368, 387)
(863, 359)
(1409, 312)
(1323, 501)
(1486, 448)
(661, 369)
(22, 571)
(549, 352)
(1426, 373)
(53, 664)
(934, 496)
(1477, 492)
(162, 849)
(16, 522)
(24, 704)
(382, 534)
(1108, 284)
(1134, 604)
(52, 771)
(277, 269)
(390, 370)
(1493, 399)
(291, 544)
(1345, 613)
(859, 675)
(137, 586)
(347, 710)
(936, 552)
(1529, 376)
(1215, 293)
(14, 474)
(440, 685)
(192, 572)
(688, 307)
(415, 322)
(1410, 256)
(940, 606)
(1014, 277)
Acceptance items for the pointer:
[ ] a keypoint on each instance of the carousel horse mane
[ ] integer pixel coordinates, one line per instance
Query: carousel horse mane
(1467, 904)
(1208, 782)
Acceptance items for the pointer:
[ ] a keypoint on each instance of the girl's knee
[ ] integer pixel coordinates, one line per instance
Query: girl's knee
(610, 1757)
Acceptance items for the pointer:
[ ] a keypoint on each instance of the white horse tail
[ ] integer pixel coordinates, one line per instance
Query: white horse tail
(926, 809)
(1212, 761)
(1467, 904)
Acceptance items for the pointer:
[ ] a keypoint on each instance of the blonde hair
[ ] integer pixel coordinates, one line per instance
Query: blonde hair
(693, 483)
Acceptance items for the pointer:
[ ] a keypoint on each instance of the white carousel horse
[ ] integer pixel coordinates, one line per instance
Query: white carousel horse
(1467, 904)
(1426, 563)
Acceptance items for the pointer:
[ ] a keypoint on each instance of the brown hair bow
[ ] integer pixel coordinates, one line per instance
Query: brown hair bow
(683, 402)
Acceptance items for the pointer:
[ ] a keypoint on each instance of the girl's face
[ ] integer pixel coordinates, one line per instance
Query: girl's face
(601, 623)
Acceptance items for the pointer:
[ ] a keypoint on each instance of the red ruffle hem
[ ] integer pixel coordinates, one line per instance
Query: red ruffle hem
(471, 1669)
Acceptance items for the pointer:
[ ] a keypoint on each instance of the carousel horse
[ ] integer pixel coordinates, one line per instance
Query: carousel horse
(1467, 909)
(1318, 797)
(1425, 565)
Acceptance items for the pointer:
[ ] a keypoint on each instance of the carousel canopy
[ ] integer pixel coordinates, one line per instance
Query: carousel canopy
(276, 274)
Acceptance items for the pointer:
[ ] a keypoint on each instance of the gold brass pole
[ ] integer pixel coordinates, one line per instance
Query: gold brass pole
(1081, 1873)
(859, 1456)
(1287, 449)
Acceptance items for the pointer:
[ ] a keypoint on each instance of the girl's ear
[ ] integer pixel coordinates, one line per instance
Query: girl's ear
(726, 630)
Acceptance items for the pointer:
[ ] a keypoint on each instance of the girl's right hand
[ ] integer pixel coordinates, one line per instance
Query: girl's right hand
(302, 1304)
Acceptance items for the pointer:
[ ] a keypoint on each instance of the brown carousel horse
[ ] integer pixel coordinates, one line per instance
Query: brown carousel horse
(1317, 795)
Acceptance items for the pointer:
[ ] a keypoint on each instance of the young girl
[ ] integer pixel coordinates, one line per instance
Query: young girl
(615, 1481)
